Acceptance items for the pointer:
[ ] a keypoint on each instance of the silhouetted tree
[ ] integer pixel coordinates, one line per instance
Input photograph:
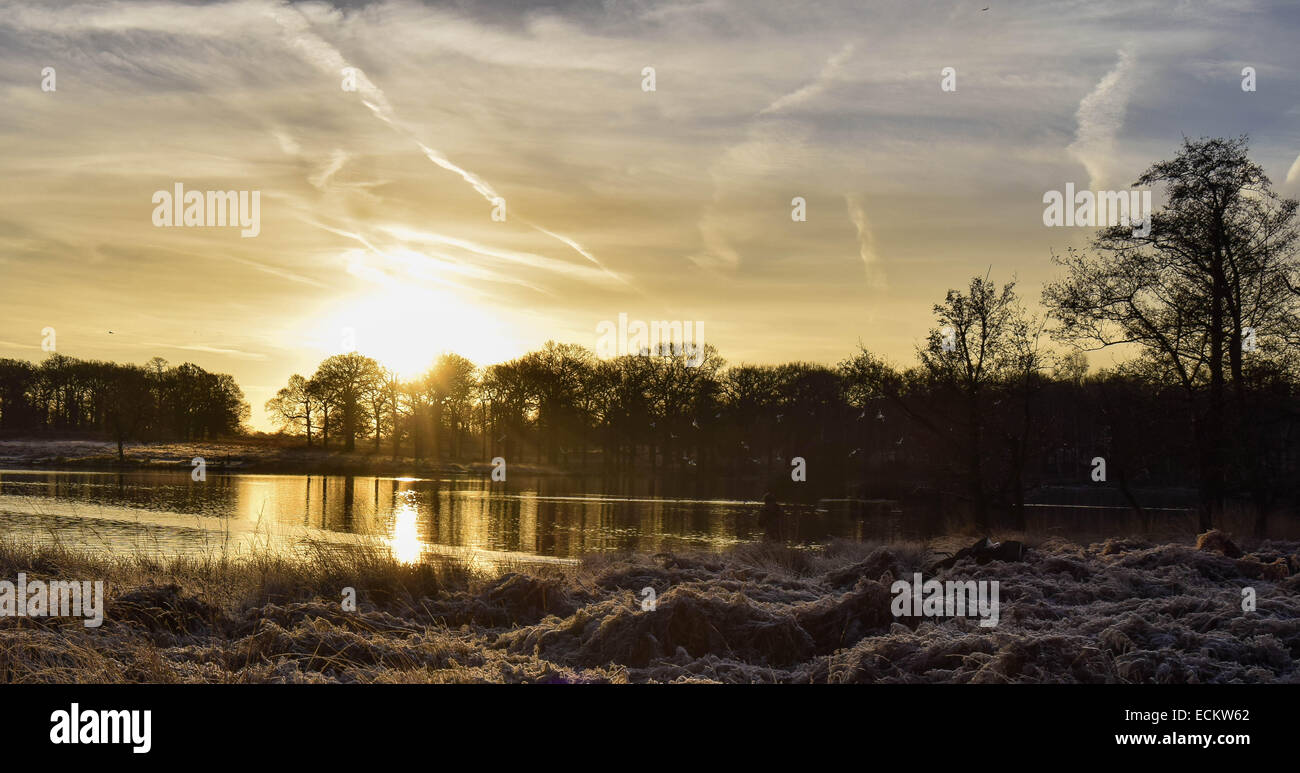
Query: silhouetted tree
(294, 406)
(1217, 260)
(343, 381)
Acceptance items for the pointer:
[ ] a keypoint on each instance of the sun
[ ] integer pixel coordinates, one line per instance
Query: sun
(406, 327)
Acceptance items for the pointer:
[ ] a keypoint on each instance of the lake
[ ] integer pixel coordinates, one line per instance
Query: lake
(528, 518)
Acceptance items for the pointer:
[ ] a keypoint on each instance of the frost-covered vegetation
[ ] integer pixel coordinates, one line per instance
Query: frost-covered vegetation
(1120, 611)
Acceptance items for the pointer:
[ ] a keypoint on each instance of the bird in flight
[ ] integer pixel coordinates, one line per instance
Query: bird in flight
(985, 8)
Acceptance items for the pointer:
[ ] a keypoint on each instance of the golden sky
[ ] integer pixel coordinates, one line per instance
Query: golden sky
(670, 204)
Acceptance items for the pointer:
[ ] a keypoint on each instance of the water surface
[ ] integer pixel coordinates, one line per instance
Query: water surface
(532, 518)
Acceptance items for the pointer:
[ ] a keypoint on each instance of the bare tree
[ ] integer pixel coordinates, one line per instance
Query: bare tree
(980, 341)
(294, 406)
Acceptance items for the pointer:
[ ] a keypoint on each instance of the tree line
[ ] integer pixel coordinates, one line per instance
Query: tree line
(64, 396)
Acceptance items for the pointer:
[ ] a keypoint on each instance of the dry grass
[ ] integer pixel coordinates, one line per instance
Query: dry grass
(1125, 610)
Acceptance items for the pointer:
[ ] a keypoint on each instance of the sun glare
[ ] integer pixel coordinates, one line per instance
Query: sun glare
(405, 540)
(406, 328)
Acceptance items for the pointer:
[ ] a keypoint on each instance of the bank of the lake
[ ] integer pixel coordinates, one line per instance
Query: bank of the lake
(267, 454)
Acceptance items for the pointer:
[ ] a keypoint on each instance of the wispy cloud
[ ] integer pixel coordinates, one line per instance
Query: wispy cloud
(1100, 117)
(282, 273)
(337, 159)
(866, 241)
(744, 160)
(16, 345)
(206, 349)
(819, 84)
(523, 259)
(331, 61)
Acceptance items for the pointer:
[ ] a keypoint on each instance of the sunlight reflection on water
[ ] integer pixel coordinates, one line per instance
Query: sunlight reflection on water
(404, 540)
(471, 518)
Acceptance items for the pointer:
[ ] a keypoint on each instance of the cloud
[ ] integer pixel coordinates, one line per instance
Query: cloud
(744, 161)
(815, 87)
(207, 349)
(1100, 117)
(337, 159)
(16, 345)
(517, 258)
(286, 142)
(328, 58)
(273, 271)
(866, 241)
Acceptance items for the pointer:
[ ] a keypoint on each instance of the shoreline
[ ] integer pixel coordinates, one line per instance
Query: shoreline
(239, 455)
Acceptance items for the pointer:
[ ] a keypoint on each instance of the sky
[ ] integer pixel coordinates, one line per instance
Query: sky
(377, 202)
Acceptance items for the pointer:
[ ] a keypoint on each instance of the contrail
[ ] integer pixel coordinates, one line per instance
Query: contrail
(578, 249)
(482, 187)
(461, 243)
(328, 58)
(816, 86)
